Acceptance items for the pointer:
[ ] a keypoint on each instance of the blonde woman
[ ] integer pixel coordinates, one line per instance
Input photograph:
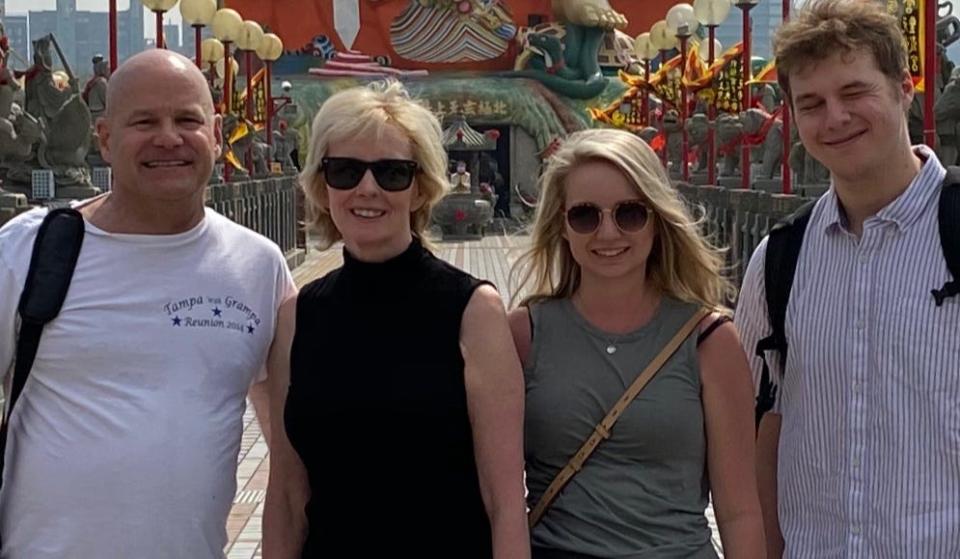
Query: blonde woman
(616, 266)
(401, 430)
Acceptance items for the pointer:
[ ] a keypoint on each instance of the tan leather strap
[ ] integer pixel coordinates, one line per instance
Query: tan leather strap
(602, 430)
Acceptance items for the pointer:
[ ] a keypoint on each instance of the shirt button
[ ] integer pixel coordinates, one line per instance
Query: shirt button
(855, 529)
(861, 325)
(864, 257)
(856, 461)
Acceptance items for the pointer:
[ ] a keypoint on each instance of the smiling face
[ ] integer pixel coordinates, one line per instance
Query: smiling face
(374, 223)
(606, 252)
(851, 116)
(160, 134)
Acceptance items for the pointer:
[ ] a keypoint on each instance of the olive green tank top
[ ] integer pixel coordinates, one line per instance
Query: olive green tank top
(643, 492)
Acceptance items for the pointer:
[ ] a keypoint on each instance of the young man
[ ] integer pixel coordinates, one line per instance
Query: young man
(861, 454)
(124, 441)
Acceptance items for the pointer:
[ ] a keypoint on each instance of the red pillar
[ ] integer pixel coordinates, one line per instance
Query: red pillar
(227, 99)
(785, 174)
(113, 35)
(160, 42)
(747, 75)
(269, 95)
(248, 107)
(711, 114)
(663, 112)
(645, 100)
(198, 50)
(684, 170)
(929, 72)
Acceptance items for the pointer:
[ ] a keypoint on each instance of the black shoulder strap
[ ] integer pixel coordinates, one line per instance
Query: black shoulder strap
(780, 265)
(55, 253)
(948, 216)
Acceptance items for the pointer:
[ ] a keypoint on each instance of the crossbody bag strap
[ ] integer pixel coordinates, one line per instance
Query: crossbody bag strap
(602, 430)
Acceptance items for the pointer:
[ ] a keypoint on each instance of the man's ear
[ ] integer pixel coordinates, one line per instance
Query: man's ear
(102, 126)
(218, 134)
(905, 86)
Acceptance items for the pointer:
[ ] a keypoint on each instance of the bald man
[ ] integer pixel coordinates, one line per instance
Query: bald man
(125, 439)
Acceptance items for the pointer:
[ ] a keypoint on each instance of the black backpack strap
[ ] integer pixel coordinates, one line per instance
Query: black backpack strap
(55, 253)
(948, 216)
(780, 265)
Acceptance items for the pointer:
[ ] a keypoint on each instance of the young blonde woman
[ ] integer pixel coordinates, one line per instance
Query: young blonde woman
(617, 266)
(398, 430)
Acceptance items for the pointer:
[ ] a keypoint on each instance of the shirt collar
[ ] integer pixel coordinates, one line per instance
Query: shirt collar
(906, 208)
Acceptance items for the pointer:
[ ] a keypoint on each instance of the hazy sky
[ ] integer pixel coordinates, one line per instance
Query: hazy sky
(23, 6)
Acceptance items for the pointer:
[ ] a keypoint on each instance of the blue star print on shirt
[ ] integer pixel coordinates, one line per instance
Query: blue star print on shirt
(217, 311)
(250, 329)
(176, 321)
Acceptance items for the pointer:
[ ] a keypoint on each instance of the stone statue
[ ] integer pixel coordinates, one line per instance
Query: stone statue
(673, 132)
(460, 180)
(20, 134)
(239, 135)
(766, 132)
(947, 111)
(564, 55)
(809, 172)
(729, 136)
(698, 126)
(64, 112)
(768, 98)
(648, 134)
(95, 96)
(95, 91)
(284, 144)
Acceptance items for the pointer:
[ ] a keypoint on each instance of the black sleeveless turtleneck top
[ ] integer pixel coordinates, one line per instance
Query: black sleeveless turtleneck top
(377, 411)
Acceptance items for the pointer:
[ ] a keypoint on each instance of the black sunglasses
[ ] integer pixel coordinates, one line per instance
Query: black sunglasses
(630, 216)
(344, 173)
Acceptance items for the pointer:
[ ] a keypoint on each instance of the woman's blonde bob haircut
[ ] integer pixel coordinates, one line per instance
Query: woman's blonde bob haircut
(366, 111)
(682, 264)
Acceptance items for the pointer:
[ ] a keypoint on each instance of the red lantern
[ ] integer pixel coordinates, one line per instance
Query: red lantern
(493, 134)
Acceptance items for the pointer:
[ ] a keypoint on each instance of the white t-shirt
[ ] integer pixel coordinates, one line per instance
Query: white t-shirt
(125, 439)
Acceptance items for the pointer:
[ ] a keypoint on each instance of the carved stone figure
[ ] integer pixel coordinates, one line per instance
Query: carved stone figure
(284, 144)
(947, 111)
(95, 91)
(809, 172)
(729, 136)
(766, 132)
(567, 53)
(698, 126)
(64, 112)
(20, 133)
(674, 136)
(648, 134)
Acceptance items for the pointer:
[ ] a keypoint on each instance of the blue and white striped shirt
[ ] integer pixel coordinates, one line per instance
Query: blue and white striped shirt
(869, 454)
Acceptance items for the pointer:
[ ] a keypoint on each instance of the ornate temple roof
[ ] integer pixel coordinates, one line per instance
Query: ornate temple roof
(459, 136)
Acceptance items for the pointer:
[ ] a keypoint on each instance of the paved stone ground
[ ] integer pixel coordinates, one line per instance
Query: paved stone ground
(489, 259)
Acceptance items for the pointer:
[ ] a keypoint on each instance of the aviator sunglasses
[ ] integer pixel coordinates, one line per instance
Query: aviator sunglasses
(344, 173)
(630, 216)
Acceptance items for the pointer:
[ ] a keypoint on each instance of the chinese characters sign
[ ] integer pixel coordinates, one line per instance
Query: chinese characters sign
(467, 107)
(910, 14)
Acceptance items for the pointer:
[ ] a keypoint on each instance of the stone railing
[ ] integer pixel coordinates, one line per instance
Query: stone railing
(739, 219)
(272, 207)
(268, 206)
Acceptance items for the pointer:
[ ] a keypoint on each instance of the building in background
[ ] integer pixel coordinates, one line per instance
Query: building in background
(18, 33)
(171, 37)
(83, 34)
(766, 17)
